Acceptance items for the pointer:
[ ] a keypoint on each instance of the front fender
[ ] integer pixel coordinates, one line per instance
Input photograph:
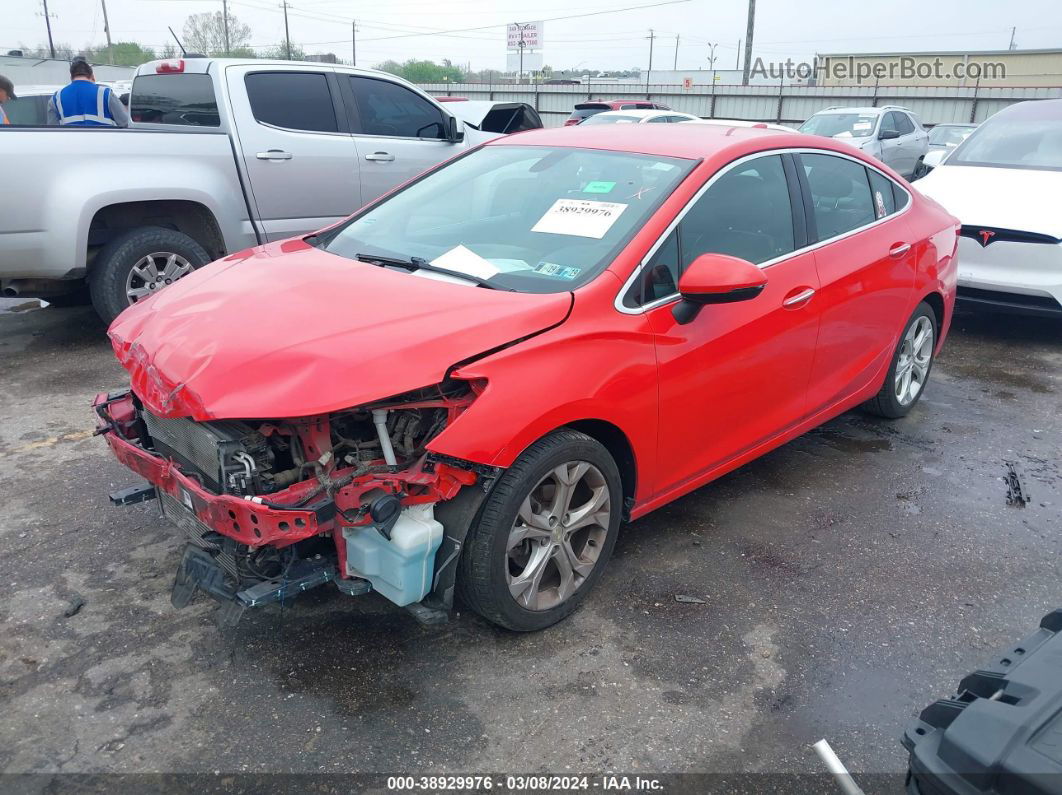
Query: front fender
(577, 371)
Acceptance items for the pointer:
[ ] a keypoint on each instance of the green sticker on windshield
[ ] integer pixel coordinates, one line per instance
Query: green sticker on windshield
(599, 187)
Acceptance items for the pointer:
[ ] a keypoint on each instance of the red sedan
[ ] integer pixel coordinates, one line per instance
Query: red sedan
(470, 384)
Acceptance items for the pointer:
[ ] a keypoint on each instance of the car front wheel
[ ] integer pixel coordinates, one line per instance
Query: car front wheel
(911, 364)
(545, 533)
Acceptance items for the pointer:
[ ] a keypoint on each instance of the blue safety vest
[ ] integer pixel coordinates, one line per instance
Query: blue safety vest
(84, 104)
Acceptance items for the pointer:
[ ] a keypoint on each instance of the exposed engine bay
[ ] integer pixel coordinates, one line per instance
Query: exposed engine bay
(272, 507)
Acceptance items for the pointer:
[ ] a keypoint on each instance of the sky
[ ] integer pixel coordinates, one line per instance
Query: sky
(475, 32)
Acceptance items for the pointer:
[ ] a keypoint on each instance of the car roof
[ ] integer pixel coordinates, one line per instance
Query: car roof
(689, 141)
(855, 109)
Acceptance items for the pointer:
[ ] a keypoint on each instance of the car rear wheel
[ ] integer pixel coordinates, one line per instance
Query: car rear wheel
(911, 365)
(138, 264)
(544, 535)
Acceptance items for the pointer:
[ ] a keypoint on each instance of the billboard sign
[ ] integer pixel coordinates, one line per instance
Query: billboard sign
(532, 61)
(530, 32)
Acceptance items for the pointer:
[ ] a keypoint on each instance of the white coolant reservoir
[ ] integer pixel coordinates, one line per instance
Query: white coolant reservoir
(401, 569)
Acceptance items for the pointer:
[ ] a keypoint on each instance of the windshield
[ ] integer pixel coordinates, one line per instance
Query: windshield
(949, 135)
(608, 118)
(526, 218)
(1013, 141)
(841, 125)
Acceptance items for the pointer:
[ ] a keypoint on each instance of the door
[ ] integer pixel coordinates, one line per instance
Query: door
(866, 273)
(300, 160)
(892, 153)
(397, 132)
(737, 374)
(913, 142)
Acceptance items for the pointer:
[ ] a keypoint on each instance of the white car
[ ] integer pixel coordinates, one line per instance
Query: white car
(891, 133)
(638, 117)
(1004, 183)
(942, 141)
(760, 125)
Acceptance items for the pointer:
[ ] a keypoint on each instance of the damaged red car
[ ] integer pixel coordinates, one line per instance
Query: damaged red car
(470, 384)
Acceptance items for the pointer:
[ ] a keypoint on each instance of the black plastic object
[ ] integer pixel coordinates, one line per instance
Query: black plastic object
(1001, 734)
(385, 511)
(133, 495)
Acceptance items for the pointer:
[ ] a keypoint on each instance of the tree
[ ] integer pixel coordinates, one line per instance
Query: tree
(280, 52)
(205, 34)
(124, 53)
(423, 71)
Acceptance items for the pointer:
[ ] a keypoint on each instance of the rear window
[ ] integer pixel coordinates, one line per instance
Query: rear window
(174, 99)
(586, 111)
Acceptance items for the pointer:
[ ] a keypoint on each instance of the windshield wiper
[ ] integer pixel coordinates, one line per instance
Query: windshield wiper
(421, 264)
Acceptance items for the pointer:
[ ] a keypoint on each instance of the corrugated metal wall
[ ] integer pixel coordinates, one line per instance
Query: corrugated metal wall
(785, 104)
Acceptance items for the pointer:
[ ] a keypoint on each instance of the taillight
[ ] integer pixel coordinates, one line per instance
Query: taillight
(174, 66)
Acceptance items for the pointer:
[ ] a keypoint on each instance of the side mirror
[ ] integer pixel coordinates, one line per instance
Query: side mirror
(456, 131)
(886, 135)
(716, 279)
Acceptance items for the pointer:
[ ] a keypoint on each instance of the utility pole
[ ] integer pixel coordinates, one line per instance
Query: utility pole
(675, 67)
(107, 30)
(48, 23)
(354, 42)
(225, 23)
(1012, 32)
(737, 61)
(287, 34)
(649, 72)
(520, 46)
(748, 43)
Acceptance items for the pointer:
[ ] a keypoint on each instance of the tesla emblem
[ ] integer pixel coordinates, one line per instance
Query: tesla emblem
(986, 236)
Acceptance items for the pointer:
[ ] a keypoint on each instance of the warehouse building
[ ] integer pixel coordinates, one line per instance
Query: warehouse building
(957, 69)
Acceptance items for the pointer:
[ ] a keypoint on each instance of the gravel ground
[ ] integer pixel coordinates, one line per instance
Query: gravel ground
(849, 578)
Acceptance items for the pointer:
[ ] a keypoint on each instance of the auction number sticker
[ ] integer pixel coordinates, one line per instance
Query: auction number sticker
(580, 217)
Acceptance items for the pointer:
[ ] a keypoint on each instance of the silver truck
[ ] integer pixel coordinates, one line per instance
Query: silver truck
(222, 154)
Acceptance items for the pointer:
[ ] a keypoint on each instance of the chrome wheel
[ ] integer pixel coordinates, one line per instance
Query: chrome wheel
(912, 366)
(153, 272)
(558, 535)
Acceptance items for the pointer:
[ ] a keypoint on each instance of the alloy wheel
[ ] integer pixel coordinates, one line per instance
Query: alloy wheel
(912, 366)
(153, 272)
(558, 535)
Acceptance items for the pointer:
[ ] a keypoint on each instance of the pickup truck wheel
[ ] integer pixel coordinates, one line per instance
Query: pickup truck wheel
(138, 264)
(544, 534)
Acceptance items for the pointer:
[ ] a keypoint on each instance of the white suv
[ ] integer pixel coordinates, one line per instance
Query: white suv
(892, 134)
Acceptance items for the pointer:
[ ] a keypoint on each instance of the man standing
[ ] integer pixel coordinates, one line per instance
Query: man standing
(7, 91)
(83, 103)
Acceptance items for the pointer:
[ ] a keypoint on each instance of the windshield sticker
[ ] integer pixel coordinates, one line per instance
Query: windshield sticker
(463, 260)
(861, 125)
(599, 187)
(579, 218)
(560, 271)
(661, 167)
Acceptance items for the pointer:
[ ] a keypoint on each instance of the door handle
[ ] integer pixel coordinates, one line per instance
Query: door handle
(899, 250)
(798, 299)
(274, 154)
(380, 157)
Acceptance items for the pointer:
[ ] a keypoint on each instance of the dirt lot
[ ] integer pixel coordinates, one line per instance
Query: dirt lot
(849, 578)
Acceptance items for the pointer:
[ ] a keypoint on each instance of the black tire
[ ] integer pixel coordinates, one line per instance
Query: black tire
(482, 580)
(886, 403)
(110, 270)
(920, 170)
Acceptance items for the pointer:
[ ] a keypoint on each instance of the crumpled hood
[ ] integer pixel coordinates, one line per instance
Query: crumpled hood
(1004, 198)
(292, 331)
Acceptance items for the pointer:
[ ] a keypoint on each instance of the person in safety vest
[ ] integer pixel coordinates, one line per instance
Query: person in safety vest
(7, 91)
(83, 103)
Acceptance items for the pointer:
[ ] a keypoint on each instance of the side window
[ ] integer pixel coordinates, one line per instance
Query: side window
(292, 100)
(900, 196)
(884, 199)
(746, 214)
(840, 194)
(659, 120)
(629, 106)
(659, 278)
(903, 123)
(386, 108)
(889, 122)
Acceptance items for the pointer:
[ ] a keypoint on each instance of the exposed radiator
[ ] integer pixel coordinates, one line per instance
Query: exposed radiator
(200, 445)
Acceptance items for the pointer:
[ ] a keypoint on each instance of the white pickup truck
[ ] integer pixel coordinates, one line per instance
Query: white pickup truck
(222, 154)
